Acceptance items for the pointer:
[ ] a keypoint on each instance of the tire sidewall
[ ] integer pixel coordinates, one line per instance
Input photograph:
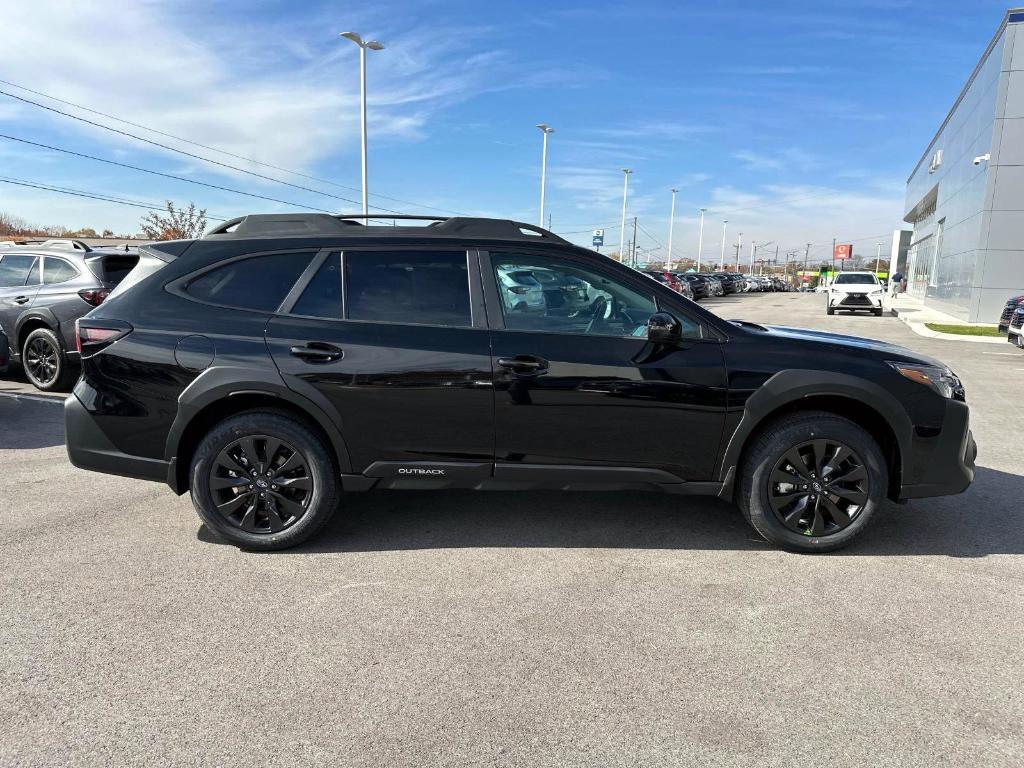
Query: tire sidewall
(784, 437)
(318, 460)
(62, 359)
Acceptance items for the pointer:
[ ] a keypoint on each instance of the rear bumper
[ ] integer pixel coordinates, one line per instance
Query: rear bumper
(943, 465)
(89, 448)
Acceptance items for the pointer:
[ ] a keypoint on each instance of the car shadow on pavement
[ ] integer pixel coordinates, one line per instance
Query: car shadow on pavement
(983, 521)
(26, 424)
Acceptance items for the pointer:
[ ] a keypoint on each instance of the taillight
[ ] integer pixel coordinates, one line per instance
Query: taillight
(94, 297)
(519, 290)
(93, 335)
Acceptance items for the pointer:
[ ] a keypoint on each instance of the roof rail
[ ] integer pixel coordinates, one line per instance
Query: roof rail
(61, 242)
(272, 224)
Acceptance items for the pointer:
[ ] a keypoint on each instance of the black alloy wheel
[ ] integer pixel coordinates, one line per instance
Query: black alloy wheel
(818, 487)
(261, 484)
(42, 361)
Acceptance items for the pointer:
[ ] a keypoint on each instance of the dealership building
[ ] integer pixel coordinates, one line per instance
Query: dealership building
(965, 198)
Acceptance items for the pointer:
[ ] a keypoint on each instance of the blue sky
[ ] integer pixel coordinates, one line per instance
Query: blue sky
(797, 121)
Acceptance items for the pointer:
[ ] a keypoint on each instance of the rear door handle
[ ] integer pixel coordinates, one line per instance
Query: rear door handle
(21, 299)
(318, 352)
(524, 364)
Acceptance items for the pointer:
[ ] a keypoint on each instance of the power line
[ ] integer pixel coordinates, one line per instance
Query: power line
(91, 195)
(188, 154)
(224, 151)
(160, 173)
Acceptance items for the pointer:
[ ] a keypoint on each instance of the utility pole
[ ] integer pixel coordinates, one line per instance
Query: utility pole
(878, 258)
(832, 276)
(739, 247)
(671, 226)
(807, 255)
(634, 241)
(721, 267)
(622, 230)
(700, 238)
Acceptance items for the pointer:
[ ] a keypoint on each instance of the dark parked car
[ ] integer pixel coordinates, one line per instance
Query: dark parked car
(1015, 331)
(699, 284)
(730, 283)
(283, 359)
(1011, 306)
(44, 288)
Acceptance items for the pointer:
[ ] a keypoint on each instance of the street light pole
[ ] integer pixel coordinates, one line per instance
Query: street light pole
(753, 252)
(373, 45)
(622, 228)
(739, 249)
(878, 257)
(721, 267)
(544, 167)
(700, 238)
(671, 227)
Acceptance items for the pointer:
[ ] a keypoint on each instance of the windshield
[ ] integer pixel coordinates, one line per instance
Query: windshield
(856, 280)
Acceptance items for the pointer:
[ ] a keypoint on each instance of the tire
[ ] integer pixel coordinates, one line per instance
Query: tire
(766, 460)
(44, 361)
(878, 312)
(829, 310)
(312, 484)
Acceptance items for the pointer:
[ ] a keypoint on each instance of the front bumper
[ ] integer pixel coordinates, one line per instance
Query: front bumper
(89, 448)
(943, 464)
(850, 301)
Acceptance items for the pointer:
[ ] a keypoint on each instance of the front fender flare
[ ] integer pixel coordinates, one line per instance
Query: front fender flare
(789, 387)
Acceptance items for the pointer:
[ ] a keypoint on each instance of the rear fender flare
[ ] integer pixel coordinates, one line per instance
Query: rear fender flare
(41, 313)
(222, 383)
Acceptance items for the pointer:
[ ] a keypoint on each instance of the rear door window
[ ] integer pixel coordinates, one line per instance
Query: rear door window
(258, 282)
(15, 269)
(322, 297)
(416, 287)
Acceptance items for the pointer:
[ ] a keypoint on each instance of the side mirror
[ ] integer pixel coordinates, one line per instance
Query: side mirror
(663, 328)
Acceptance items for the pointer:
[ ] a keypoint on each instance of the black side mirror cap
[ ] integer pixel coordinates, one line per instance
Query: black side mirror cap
(663, 328)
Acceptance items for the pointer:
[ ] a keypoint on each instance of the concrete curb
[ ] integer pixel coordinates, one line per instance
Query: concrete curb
(922, 330)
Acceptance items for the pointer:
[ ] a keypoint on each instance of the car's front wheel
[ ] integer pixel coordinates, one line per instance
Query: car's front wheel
(42, 356)
(263, 480)
(812, 482)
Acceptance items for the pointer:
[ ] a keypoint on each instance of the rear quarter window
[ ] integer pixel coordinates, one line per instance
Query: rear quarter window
(257, 282)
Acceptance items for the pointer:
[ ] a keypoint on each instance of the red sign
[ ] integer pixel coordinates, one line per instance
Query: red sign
(842, 252)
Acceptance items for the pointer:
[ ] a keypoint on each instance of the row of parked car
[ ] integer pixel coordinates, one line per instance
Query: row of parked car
(703, 285)
(1011, 322)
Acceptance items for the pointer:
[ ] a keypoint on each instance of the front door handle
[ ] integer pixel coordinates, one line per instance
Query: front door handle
(21, 299)
(524, 364)
(318, 352)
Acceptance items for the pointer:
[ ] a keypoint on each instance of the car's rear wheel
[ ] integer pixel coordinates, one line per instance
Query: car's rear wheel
(812, 482)
(42, 356)
(263, 480)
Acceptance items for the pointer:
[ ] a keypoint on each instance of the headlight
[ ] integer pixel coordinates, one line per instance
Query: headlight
(942, 380)
(877, 292)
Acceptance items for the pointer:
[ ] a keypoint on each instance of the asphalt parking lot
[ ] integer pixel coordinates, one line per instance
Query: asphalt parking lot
(462, 628)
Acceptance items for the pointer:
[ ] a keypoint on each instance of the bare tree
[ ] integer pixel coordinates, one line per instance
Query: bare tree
(176, 224)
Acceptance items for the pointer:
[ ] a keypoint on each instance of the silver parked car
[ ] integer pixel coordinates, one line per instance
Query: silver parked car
(44, 288)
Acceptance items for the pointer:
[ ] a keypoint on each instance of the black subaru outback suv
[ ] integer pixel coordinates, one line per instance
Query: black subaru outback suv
(283, 359)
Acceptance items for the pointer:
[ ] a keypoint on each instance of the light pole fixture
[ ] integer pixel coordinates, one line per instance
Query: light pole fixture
(721, 267)
(373, 45)
(671, 226)
(622, 229)
(545, 129)
(700, 238)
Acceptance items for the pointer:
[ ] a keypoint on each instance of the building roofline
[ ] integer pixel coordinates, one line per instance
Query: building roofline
(970, 81)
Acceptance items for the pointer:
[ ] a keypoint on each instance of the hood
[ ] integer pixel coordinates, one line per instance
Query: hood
(884, 349)
(856, 287)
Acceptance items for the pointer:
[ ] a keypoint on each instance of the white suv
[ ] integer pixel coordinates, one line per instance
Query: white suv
(853, 291)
